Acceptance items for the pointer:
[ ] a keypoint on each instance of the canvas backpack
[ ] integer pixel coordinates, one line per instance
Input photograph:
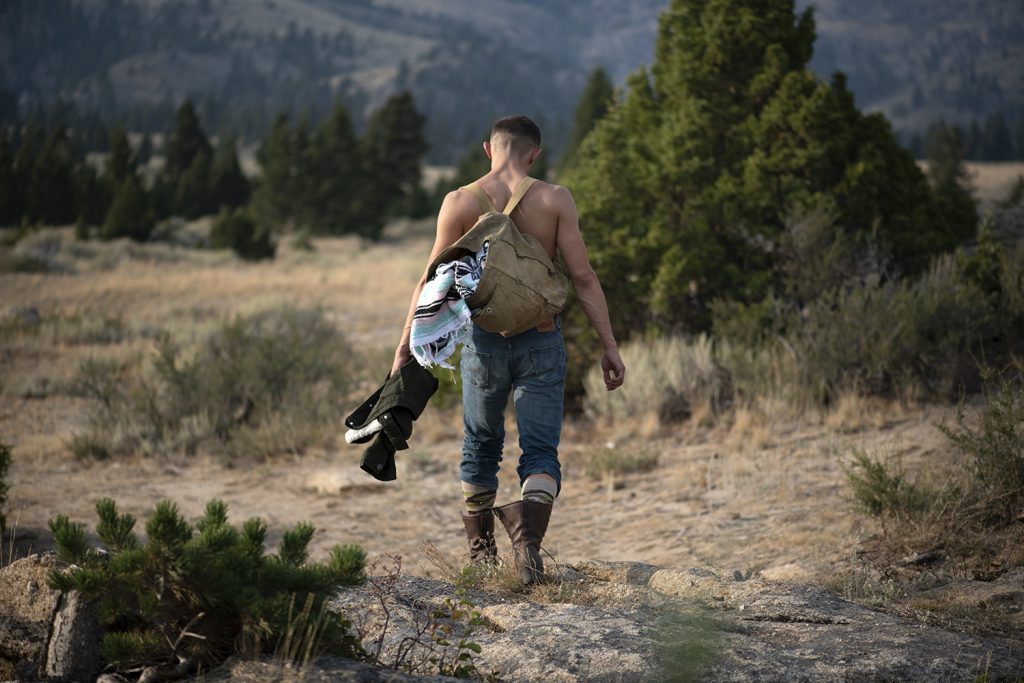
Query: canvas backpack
(520, 287)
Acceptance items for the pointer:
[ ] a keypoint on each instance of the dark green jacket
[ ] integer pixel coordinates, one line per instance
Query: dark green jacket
(397, 404)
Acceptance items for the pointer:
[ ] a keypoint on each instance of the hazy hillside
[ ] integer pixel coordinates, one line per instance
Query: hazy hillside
(918, 60)
(243, 60)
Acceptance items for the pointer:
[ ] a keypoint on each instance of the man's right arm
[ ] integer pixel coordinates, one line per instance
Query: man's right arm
(588, 287)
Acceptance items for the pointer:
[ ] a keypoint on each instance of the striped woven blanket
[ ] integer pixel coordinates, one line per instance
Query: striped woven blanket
(442, 316)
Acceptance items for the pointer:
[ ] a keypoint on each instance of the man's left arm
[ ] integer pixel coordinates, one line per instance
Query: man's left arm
(449, 230)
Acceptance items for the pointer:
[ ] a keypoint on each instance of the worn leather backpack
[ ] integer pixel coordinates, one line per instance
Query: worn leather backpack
(520, 287)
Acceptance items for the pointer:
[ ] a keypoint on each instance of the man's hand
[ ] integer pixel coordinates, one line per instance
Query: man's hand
(402, 356)
(614, 369)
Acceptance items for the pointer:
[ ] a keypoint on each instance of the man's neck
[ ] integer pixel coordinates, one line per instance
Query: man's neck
(508, 170)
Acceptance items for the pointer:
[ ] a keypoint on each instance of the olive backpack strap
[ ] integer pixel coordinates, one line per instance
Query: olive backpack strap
(521, 189)
(486, 205)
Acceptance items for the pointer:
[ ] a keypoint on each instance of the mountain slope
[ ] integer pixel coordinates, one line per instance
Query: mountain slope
(244, 60)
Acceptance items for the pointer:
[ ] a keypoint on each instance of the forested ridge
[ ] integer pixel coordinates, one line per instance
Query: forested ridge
(241, 62)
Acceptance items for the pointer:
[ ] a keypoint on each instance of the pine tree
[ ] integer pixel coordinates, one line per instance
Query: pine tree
(334, 188)
(230, 187)
(186, 142)
(1019, 140)
(193, 195)
(997, 142)
(121, 160)
(689, 182)
(94, 195)
(130, 214)
(273, 199)
(596, 98)
(11, 197)
(191, 596)
(391, 150)
(944, 149)
(51, 187)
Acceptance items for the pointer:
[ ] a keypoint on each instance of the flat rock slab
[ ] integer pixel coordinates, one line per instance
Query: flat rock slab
(693, 624)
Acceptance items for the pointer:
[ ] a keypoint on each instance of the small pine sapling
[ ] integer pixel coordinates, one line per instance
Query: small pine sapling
(194, 595)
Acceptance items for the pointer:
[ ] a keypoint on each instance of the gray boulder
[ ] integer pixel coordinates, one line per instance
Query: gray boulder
(636, 622)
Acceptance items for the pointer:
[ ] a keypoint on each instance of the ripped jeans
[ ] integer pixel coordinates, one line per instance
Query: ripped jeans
(531, 366)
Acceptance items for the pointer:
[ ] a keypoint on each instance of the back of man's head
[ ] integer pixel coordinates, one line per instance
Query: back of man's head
(519, 133)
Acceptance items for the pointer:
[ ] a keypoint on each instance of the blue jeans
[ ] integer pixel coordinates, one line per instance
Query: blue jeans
(531, 366)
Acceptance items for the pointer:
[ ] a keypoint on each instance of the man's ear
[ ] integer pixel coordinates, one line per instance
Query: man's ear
(533, 156)
(487, 149)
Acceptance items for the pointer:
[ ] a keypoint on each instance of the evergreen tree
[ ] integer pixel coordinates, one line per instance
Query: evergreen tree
(193, 196)
(1019, 140)
(944, 149)
(391, 150)
(130, 214)
(93, 196)
(121, 160)
(333, 186)
(230, 186)
(997, 142)
(273, 199)
(596, 98)
(51, 187)
(689, 182)
(11, 203)
(186, 142)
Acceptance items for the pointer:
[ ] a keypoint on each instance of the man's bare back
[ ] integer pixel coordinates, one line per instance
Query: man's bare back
(537, 213)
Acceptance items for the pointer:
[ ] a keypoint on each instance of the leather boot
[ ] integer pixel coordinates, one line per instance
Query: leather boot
(480, 532)
(526, 522)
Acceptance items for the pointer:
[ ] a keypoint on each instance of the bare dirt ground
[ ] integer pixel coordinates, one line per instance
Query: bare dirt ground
(748, 494)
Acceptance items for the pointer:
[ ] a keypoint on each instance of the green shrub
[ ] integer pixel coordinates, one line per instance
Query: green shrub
(5, 465)
(235, 229)
(191, 596)
(259, 385)
(996, 450)
(880, 492)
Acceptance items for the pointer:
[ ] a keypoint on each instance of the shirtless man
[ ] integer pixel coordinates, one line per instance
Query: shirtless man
(531, 365)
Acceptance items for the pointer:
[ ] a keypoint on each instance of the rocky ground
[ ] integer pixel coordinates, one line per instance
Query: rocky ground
(601, 621)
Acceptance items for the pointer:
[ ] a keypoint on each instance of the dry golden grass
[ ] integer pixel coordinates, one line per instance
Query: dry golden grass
(992, 180)
(854, 411)
(755, 488)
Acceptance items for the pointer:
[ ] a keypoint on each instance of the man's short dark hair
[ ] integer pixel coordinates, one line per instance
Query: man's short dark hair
(523, 134)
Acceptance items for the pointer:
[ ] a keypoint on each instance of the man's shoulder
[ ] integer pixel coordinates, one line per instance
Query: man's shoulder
(550, 192)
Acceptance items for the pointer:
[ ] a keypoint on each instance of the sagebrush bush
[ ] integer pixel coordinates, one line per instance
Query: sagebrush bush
(995, 447)
(668, 376)
(191, 596)
(880, 335)
(882, 492)
(258, 385)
